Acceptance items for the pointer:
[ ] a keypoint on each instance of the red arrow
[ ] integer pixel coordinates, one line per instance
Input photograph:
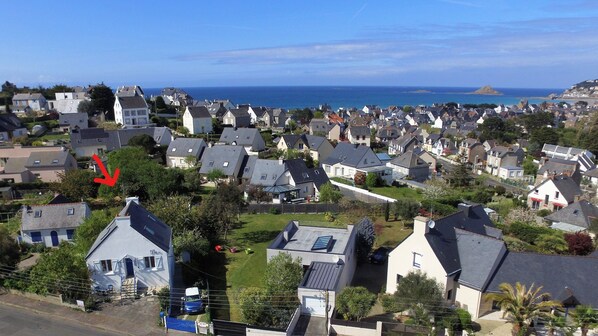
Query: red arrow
(107, 180)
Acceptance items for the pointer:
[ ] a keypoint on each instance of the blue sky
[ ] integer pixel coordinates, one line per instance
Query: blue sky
(503, 43)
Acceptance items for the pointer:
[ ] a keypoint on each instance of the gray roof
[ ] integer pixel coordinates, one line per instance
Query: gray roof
(301, 174)
(267, 172)
(9, 122)
(479, 256)
(567, 278)
(591, 173)
(27, 96)
(47, 159)
(314, 142)
(115, 139)
(15, 165)
(54, 216)
(183, 147)
(302, 238)
(567, 187)
(350, 155)
(320, 125)
(134, 102)
(225, 158)
(142, 221)
(409, 160)
(359, 130)
(578, 214)
(248, 166)
(322, 276)
(199, 112)
(558, 166)
(240, 136)
(128, 91)
(239, 113)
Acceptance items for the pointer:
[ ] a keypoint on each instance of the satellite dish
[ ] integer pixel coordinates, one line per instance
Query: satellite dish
(431, 224)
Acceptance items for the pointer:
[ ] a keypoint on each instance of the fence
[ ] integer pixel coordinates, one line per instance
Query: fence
(293, 208)
(389, 329)
(362, 194)
(228, 328)
(181, 325)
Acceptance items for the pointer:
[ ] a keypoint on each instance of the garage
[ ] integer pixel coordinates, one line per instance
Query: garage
(314, 305)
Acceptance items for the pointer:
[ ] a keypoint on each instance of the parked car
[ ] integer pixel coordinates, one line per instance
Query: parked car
(379, 255)
(192, 301)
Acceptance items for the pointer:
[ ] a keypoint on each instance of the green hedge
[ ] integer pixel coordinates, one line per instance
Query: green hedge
(528, 233)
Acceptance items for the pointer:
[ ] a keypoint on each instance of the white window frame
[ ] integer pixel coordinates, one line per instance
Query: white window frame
(106, 266)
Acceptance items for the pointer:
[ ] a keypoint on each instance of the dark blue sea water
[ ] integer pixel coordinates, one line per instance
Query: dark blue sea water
(357, 96)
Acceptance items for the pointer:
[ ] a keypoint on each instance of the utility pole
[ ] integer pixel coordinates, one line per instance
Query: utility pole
(326, 308)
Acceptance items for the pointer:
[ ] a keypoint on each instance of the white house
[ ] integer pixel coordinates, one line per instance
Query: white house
(134, 251)
(347, 159)
(553, 193)
(131, 111)
(184, 152)
(250, 138)
(326, 253)
(52, 223)
(34, 101)
(197, 119)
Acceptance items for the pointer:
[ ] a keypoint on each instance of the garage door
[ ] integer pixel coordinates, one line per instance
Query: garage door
(314, 305)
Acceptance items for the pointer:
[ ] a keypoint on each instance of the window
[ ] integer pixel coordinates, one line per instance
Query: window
(70, 233)
(417, 259)
(556, 194)
(557, 207)
(190, 150)
(535, 205)
(36, 237)
(37, 214)
(263, 177)
(150, 262)
(174, 149)
(54, 161)
(545, 199)
(106, 265)
(225, 164)
(36, 162)
(182, 160)
(399, 278)
(449, 294)
(70, 211)
(211, 164)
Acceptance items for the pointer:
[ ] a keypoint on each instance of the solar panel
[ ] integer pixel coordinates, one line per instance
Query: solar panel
(322, 243)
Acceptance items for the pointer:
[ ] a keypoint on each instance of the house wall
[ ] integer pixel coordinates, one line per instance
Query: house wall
(89, 151)
(323, 151)
(197, 125)
(25, 176)
(308, 292)
(540, 193)
(177, 162)
(472, 300)
(400, 260)
(46, 236)
(126, 242)
(510, 173)
(334, 133)
(229, 119)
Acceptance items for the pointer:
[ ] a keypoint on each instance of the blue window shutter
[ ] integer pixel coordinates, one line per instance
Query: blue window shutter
(36, 237)
(70, 234)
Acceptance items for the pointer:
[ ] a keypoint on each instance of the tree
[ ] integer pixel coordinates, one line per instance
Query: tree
(282, 277)
(585, 318)
(9, 249)
(329, 193)
(551, 243)
(190, 241)
(9, 88)
(76, 184)
(255, 306)
(215, 175)
(372, 180)
(435, 190)
(419, 294)
(354, 303)
(257, 194)
(580, 243)
(522, 305)
(359, 178)
(222, 209)
(61, 271)
(456, 320)
(177, 211)
(91, 227)
(529, 167)
(144, 141)
(86, 106)
(386, 211)
(160, 104)
(406, 208)
(460, 176)
(364, 237)
(544, 135)
(102, 98)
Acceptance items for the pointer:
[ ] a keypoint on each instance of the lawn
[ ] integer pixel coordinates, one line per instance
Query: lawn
(398, 192)
(243, 270)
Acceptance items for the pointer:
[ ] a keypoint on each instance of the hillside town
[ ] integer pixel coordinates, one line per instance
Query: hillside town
(227, 218)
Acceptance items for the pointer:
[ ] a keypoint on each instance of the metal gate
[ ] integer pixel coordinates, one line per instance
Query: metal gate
(228, 328)
(182, 325)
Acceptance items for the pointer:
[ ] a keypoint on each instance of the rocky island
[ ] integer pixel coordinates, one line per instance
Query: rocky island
(486, 90)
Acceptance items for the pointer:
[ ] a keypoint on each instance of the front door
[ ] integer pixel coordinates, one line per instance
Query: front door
(54, 236)
(129, 267)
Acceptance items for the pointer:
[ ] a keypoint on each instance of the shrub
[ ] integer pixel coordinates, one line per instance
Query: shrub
(580, 243)
(275, 210)
(528, 233)
(329, 216)
(543, 212)
(437, 208)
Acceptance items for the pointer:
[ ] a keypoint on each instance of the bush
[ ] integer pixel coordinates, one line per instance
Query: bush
(528, 233)
(437, 208)
(543, 212)
(329, 216)
(275, 210)
(500, 190)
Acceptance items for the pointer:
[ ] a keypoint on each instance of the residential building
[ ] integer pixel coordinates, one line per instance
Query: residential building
(67, 102)
(250, 138)
(387, 133)
(428, 158)
(328, 258)
(130, 91)
(444, 147)
(52, 223)
(553, 193)
(197, 120)
(184, 152)
(501, 156)
(86, 142)
(43, 165)
(551, 167)
(359, 135)
(583, 156)
(228, 159)
(11, 127)
(176, 97)
(409, 166)
(578, 216)
(71, 121)
(133, 252)
(322, 127)
(237, 118)
(317, 147)
(348, 159)
(510, 172)
(405, 143)
(473, 151)
(34, 101)
(131, 111)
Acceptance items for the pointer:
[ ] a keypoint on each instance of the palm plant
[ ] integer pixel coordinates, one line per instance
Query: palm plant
(521, 305)
(586, 318)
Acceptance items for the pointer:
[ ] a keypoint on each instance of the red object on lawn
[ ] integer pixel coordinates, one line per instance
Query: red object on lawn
(233, 250)
(218, 248)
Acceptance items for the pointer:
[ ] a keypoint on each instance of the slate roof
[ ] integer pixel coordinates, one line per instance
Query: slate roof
(591, 173)
(579, 214)
(27, 96)
(241, 136)
(442, 238)
(267, 172)
(359, 131)
(183, 147)
(320, 125)
(131, 102)
(199, 112)
(409, 160)
(225, 158)
(248, 166)
(60, 199)
(322, 276)
(15, 165)
(301, 174)
(558, 166)
(114, 139)
(9, 122)
(142, 221)
(479, 256)
(350, 155)
(47, 159)
(566, 186)
(565, 277)
(54, 216)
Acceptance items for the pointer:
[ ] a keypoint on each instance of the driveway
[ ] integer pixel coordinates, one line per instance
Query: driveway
(370, 276)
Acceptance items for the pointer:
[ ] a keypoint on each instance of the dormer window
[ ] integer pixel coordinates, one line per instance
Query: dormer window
(211, 164)
(36, 162)
(70, 211)
(225, 164)
(264, 177)
(174, 149)
(54, 161)
(37, 214)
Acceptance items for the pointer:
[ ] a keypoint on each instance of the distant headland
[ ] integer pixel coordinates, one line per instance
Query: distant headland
(486, 90)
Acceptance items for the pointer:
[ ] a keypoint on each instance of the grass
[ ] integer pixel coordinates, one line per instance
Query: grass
(398, 192)
(48, 137)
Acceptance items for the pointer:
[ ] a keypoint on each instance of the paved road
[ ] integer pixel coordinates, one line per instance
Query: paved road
(22, 322)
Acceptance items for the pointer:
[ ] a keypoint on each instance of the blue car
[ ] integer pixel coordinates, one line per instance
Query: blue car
(379, 255)
(192, 302)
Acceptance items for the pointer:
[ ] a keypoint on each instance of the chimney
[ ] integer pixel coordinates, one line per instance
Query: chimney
(132, 199)
(420, 226)
(465, 208)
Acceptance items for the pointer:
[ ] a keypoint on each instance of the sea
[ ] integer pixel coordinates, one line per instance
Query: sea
(292, 97)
